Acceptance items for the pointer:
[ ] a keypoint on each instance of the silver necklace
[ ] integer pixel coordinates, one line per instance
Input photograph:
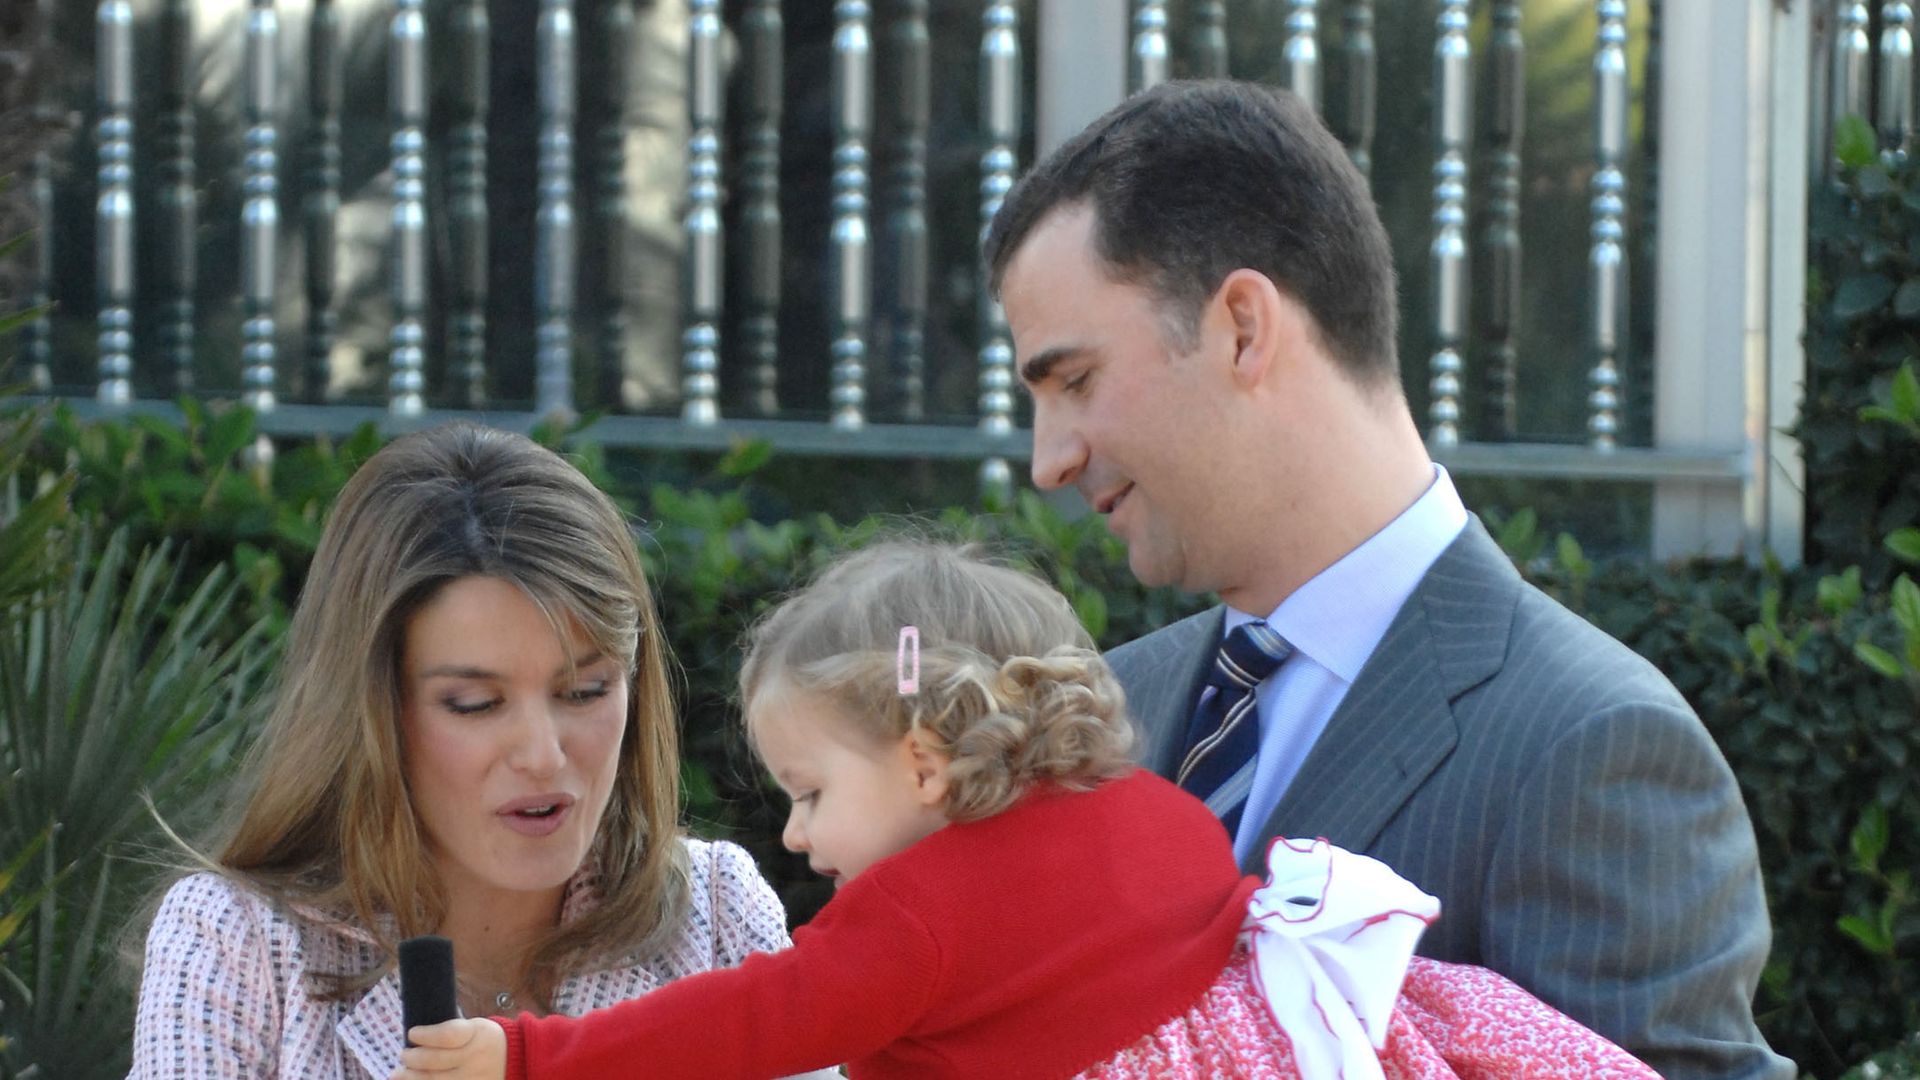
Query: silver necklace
(503, 1002)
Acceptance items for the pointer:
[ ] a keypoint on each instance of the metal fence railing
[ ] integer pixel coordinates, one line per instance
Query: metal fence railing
(452, 254)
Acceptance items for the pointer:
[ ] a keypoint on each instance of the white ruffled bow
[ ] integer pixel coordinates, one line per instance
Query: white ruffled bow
(1332, 934)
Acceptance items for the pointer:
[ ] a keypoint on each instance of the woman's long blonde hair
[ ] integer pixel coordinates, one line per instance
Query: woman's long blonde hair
(1011, 688)
(327, 821)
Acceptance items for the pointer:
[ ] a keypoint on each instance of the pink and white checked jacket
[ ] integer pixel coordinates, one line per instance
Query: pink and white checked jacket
(223, 995)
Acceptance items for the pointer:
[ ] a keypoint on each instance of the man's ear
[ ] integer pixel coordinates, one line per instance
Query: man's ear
(1259, 319)
(929, 766)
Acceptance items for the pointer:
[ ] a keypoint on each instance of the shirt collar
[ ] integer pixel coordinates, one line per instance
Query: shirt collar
(1341, 613)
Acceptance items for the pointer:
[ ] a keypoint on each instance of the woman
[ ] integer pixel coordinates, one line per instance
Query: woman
(474, 737)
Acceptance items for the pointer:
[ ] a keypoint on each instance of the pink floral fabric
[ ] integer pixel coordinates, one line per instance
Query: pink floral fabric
(1453, 1022)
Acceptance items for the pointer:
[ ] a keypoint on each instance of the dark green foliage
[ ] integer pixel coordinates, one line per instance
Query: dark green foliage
(125, 683)
(1863, 325)
(1900, 1063)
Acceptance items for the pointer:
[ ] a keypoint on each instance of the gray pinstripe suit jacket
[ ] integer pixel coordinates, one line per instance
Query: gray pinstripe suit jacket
(1582, 831)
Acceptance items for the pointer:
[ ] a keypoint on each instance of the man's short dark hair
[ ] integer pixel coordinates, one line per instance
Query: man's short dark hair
(1190, 181)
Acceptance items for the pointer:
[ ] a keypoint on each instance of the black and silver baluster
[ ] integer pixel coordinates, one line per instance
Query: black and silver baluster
(113, 251)
(852, 253)
(1852, 73)
(1151, 60)
(407, 99)
(1896, 75)
(912, 51)
(37, 338)
(608, 81)
(1356, 122)
(1208, 48)
(700, 342)
(1301, 55)
(179, 202)
(1000, 109)
(1608, 258)
(467, 214)
(555, 264)
(1638, 345)
(1502, 237)
(763, 38)
(325, 81)
(1453, 102)
(1852, 62)
(260, 212)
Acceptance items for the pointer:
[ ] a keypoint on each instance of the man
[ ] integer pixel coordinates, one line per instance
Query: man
(1201, 297)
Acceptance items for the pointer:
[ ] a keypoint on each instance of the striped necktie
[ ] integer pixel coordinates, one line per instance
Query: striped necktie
(1223, 740)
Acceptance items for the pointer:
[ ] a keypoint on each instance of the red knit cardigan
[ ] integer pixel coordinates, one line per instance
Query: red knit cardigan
(1035, 943)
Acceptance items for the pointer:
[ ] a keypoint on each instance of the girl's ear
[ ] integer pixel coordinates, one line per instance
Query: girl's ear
(929, 768)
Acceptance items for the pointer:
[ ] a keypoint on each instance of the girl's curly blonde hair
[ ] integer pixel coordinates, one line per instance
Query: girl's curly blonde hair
(1011, 688)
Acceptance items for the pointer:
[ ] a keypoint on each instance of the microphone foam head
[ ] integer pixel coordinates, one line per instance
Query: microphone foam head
(426, 981)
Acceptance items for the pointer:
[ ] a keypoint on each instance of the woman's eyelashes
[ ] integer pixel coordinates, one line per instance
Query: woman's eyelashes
(460, 707)
(579, 695)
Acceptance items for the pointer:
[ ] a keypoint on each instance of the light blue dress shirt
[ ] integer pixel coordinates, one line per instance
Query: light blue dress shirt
(1335, 621)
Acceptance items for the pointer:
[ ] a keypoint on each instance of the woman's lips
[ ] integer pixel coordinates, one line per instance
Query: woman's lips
(537, 817)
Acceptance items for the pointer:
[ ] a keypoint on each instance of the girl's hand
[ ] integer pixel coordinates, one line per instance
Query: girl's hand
(455, 1050)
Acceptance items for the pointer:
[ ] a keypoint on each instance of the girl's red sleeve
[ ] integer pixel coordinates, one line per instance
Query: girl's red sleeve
(857, 978)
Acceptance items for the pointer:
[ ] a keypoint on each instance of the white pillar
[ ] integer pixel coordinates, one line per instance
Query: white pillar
(1782, 519)
(1082, 67)
(1732, 272)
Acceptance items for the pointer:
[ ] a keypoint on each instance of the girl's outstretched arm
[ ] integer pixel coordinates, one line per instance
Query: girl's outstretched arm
(455, 1050)
(858, 977)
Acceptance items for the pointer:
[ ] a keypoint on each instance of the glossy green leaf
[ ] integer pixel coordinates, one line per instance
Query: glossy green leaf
(747, 457)
(1878, 659)
(1905, 543)
(1091, 607)
(1869, 838)
(1903, 393)
(1517, 532)
(1906, 300)
(1840, 593)
(1854, 143)
(229, 432)
(1868, 933)
(1906, 605)
(1860, 295)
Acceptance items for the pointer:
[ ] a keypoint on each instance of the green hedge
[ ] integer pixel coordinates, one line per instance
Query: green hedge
(1863, 326)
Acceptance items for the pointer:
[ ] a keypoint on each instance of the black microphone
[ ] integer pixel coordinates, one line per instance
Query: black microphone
(426, 982)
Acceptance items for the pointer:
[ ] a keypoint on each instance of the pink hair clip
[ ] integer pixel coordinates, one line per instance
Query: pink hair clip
(909, 680)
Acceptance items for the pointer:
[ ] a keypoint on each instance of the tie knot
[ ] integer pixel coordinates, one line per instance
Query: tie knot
(1250, 653)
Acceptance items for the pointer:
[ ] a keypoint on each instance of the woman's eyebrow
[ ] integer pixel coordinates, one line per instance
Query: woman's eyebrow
(585, 659)
(458, 671)
(471, 671)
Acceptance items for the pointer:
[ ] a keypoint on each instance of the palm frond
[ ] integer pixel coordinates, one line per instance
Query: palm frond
(123, 687)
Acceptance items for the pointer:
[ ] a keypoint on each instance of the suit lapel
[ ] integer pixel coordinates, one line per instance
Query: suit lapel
(1396, 724)
(1161, 695)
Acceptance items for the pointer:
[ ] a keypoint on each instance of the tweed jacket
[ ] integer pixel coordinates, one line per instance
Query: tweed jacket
(1584, 834)
(224, 993)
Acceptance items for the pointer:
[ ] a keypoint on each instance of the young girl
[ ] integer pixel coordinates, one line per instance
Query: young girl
(1014, 898)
